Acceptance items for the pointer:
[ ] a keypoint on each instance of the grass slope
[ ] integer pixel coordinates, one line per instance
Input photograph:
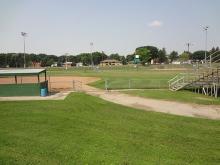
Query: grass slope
(87, 130)
(180, 96)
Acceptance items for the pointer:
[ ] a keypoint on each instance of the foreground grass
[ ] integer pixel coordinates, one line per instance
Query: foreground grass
(87, 130)
(180, 96)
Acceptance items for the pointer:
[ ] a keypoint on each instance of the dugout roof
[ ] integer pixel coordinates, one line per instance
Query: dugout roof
(21, 72)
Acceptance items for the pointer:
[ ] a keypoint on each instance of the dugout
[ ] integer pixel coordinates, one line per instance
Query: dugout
(23, 82)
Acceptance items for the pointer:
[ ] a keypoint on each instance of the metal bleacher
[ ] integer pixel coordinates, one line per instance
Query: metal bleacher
(204, 79)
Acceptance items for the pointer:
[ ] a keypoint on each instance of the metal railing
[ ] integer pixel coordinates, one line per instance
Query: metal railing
(184, 79)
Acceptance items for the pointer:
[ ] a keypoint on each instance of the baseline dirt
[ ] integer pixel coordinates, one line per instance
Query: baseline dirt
(55, 83)
(66, 83)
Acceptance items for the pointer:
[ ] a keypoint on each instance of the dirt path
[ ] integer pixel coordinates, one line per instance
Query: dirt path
(170, 107)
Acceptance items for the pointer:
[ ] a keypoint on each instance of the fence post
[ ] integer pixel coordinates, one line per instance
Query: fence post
(49, 85)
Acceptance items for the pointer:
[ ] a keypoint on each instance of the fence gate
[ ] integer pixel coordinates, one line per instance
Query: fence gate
(59, 86)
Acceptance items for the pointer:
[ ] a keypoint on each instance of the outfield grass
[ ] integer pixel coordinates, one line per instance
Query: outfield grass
(180, 96)
(121, 77)
(84, 129)
(114, 72)
(124, 68)
(131, 83)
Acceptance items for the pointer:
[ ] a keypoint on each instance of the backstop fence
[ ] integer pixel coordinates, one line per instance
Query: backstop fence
(70, 85)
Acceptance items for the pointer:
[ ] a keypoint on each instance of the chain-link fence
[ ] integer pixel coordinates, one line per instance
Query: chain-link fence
(135, 84)
(57, 86)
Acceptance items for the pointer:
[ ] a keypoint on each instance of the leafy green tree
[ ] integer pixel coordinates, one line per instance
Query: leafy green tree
(144, 54)
(13, 60)
(35, 58)
(49, 62)
(98, 57)
(20, 60)
(115, 56)
(104, 56)
(85, 58)
(162, 56)
(3, 60)
(185, 56)
(213, 50)
(61, 59)
(147, 53)
(123, 60)
(153, 52)
(44, 62)
(130, 58)
(199, 55)
(173, 56)
(72, 59)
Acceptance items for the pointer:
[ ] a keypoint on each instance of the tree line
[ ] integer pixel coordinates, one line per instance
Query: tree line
(147, 54)
(155, 55)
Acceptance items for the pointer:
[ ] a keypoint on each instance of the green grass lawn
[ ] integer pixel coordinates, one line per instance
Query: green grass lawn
(84, 130)
(180, 96)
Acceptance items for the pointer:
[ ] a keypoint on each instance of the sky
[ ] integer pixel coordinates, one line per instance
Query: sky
(113, 26)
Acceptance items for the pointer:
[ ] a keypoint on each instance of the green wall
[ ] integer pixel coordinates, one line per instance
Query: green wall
(19, 90)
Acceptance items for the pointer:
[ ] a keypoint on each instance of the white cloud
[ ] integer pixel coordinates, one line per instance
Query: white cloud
(155, 23)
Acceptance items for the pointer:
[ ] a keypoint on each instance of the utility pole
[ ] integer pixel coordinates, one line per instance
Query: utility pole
(102, 55)
(92, 63)
(24, 35)
(205, 28)
(188, 45)
(66, 60)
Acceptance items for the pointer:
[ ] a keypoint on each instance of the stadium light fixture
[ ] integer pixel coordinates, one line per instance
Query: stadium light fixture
(66, 60)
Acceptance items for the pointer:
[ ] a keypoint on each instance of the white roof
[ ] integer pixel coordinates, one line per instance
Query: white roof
(67, 63)
(20, 71)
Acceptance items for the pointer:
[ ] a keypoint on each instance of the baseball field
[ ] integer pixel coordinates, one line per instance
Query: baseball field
(85, 129)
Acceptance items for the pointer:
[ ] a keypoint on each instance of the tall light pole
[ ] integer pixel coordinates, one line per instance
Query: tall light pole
(205, 28)
(91, 45)
(24, 35)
